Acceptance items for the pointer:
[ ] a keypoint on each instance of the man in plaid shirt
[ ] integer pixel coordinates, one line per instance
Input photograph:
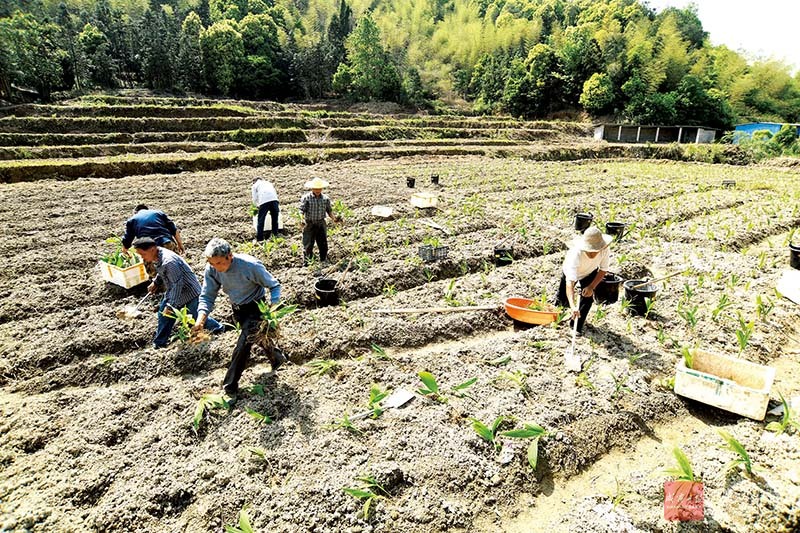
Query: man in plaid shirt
(181, 288)
(315, 206)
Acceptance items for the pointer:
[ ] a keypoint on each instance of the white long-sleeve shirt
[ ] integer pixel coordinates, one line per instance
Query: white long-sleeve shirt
(263, 192)
(578, 265)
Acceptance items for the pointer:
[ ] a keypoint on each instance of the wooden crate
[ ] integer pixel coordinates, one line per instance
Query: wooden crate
(124, 277)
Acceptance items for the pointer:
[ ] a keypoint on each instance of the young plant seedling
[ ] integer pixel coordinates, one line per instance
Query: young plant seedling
(183, 319)
(519, 379)
(499, 361)
(379, 352)
(205, 403)
(529, 431)
(723, 303)
(389, 290)
(376, 396)
(489, 434)
(619, 385)
(787, 419)
(649, 303)
(736, 447)
(684, 470)
(764, 306)
(686, 353)
(243, 525)
(689, 315)
(322, 366)
(583, 378)
(369, 492)
(744, 333)
(258, 417)
(269, 329)
(346, 424)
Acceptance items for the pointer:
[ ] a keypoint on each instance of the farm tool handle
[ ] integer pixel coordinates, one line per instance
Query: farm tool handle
(341, 278)
(410, 310)
(145, 297)
(640, 285)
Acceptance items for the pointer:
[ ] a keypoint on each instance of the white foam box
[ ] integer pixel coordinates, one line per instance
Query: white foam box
(729, 383)
(268, 222)
(124, 277)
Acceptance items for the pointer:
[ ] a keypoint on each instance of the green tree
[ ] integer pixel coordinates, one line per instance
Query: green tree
(696, 105)
(260, 76)
(95, 48)
(34, 57)
(69, 35)
(598, 93)
(535, 87)
(370, 72)
(223, 55)
(160, 47)
(190, 55)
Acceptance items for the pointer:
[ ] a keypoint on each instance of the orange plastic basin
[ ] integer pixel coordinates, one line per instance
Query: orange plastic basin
(517, 308)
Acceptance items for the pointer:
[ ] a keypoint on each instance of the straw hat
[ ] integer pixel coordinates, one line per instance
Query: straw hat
(593, 240)
(316, 183)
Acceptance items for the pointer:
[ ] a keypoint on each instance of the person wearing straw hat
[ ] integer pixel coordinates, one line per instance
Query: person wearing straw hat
(315, 206)
(586, 263)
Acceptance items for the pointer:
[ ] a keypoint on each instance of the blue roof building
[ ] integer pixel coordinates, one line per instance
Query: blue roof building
(747, 130)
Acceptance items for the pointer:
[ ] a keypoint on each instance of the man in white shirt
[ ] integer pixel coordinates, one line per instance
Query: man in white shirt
(266, 198)
(587, 262)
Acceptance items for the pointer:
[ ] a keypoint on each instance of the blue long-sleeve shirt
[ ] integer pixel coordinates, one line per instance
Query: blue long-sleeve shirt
(245, 281)
(177, 277)
(149, 223)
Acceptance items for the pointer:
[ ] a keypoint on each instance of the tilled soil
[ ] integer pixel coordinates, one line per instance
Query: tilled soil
(96, 427)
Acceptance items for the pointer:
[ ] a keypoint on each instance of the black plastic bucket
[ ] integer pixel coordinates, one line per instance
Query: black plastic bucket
(326, 292)
(503, 255)
(636, 296)
(794, 256)
(616, 229)
(435, 179)
(607, 292)
(410, 182)
(583, 221)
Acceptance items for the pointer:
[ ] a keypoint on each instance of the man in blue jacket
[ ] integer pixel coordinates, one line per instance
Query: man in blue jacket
(155, 224)
(245, 280)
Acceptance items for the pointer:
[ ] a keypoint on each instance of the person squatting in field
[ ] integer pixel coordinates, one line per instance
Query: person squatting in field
(245, 280)
(314, 206)
(180, 285)
(586, 262)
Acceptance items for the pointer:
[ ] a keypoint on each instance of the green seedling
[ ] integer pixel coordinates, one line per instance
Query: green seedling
(256, 389)
(341, 210)
(322, 366)
(450, 294)
(431, 389)
(600, 313)
(379, 352)
(518, 378)
(619, 495)
(117, 257)
(764, 306)
(206, 403)
(620, 386)
(762, 260)
(243, 525)
(744, 333)
(689, 315)
(625, 304)
(661, 335)
(583, 378)
(269, 328)
(184, 320)
(107, 360)
(688, 292)
(736, 446)
(687, 356)
(258, 417)
(458, 390)
(369, 492)
(252, 210)
(346, 424)
(529, 431)
(272, 244)
(376, 396)
(787, 418)
(635, 357)
(429, 275)
(562, 315)
(389, 290)
(733, 281)
(489, 434)
(362, 262)
(723, 303)
(261, 453)
(502, 360)
(684, 470)
(648, 306)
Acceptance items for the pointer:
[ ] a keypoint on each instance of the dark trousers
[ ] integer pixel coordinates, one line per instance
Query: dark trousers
(586, 303)
(315, 232)
(273, 210)
(249, 317)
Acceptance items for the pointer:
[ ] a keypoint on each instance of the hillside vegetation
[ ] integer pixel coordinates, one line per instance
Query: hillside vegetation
(530, 58)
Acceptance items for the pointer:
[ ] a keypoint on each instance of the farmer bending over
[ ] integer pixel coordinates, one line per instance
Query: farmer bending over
(154, 224)
(245, 280)
(266, 198)
(587, 262)
(314, 206)
(182, 289)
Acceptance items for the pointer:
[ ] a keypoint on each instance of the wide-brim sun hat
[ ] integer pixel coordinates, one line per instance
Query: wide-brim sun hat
(316, 183)
(593, 240)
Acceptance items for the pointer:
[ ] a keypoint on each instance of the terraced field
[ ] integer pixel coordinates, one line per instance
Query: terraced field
(96, 427)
